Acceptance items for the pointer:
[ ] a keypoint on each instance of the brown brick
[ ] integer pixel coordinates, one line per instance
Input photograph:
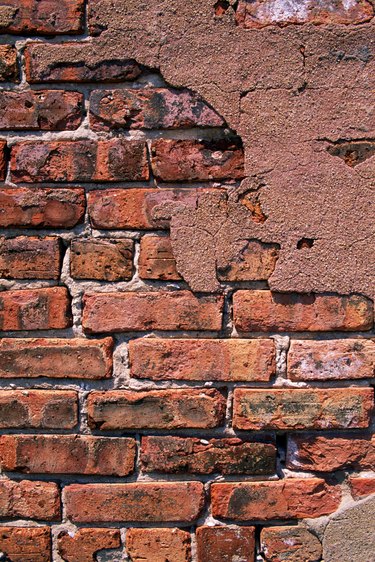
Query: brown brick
(189, 454)
(19, 544)
(130, 311)
(29, 500)
(150, 108)
(156, 409)
(104, 260)
(296, 408)
(290, 498)
(264, 311)
(30, 257)
(149, 502)
(225, 544)
(67, 454)
(256, 262)
(35, 309)
(82, 545)
(3, 161)
(204, 359)
(8, 64)
(75, 62)
(38, 409)
(156, 260)
(362, 486)
(158, 545)
(79, 161)
(326, 454)
(292, 544)
(41, 17)
(260, 13)
(331, 359)
(188, 160)
(41, 208)
(56, 358)
(46, 110)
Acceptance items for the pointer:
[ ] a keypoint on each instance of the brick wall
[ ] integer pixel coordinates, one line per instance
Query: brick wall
(139, 417)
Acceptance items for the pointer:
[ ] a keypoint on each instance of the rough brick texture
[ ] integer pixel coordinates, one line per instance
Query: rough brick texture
(225, 543)
(361, 487)
(158, 545)
(103, 260)
(29, 257)
(290, 543)
(83, 544)
(8, 64)
(26, 543)
(26, 499)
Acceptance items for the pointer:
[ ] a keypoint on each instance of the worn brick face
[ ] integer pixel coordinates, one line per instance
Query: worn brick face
(83, 544)
(26, 543)
(29, 257)
(8, 64)
(361, 487)
(103, 260)
(158, 545)
(290, 543)
(26, 499)
(223, 544)
(24, 17)
(3, 160)
(156, 260)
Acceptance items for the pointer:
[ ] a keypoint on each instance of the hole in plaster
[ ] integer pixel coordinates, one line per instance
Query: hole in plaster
(251, 201)
(353, 152)
(221, 6)
(305, 243)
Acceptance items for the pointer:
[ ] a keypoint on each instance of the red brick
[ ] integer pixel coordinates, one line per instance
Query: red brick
(264, 311)
(256, 262)
(136, 208)
(38, 409)
(225, 544)
(156, 260)
(79, 161)
(204, 359)
(104, 260)
(75, 62)
(41, 17)
(150, 108)
(141, 501)
(67, 454)
(3, 160)
(41, 208)
(46, 110)
(158, 545)
(189, 454)
(180, 160)
(331, 359)
(326, 454)
(82, 545)
(130, 311)
(289, 498)
(29, 500)
(291, 544)
(260, 13)
(30, 257)
(8, 64)
(19, 544)
(156, 409)
(361, 487)
(296, 408)
(56, 358)
(35, 309)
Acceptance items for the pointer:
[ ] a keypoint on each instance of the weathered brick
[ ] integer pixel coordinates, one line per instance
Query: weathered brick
(41, 17)
(331, 359)
(290, 498)
(104, 260)
(267, 312)
(46, 110)
(29, 500)
(38, 409)
(158, 545)
(362, 486)
(150, 108)
(130, 311)
(302, 408)
(294, 544)
(8, 64)
(256, 262)
(156, 260)
(67, 454)
(19, 544)
(56, 358)
(326, 454)
(79, 161)
(225, 544)
(41, 208)
(30, 257)
(188, 160)
(3, 161)
(204, 359)
(156, 409)
(260, 13)
(149, 502)
(189, 454)
(83, 544)
(75, 62)
(35, 309)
